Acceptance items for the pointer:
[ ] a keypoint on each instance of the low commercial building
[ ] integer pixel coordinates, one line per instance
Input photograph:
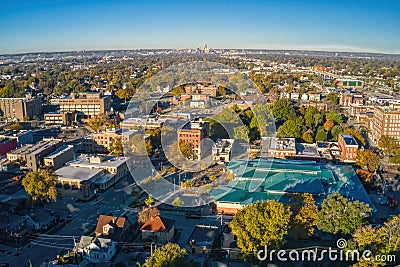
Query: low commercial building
(104, 142)
(278, 147)
(135, 123)
(35, 155)
(348, 147)
(60, 118)
(6, 145)
(59, 157)
(23, 137)
(202, 239)
(92, 173)
(275, 179)
(349, 83)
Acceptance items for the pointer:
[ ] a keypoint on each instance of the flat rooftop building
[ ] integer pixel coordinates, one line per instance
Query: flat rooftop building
(89, 173)
(274, 179)
(89, 104)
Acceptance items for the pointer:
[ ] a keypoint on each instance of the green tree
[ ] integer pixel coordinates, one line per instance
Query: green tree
(169, 255)
(367, 159)
(261, 224)
(40, 186)
(321, 135)
(337, 118)
(283, 110)
(383, 240)
(338, 215)
(150, 201)
(242, 133)
(289, 129)
(335, 132)
(304, 213)
(333, 98)
(388, 144)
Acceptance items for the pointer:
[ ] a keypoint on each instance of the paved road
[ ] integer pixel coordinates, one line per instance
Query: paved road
(84, 216)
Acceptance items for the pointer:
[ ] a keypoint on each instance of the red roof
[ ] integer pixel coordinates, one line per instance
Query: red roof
(157, 224)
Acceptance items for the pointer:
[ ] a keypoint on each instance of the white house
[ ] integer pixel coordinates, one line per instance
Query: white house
(96, 249)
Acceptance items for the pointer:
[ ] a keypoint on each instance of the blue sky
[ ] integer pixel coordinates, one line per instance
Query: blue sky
(60, 25)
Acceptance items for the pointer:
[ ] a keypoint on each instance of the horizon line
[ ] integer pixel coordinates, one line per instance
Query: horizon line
(188, 48)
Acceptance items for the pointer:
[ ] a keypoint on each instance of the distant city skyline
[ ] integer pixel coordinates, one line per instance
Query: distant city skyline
(69, 25)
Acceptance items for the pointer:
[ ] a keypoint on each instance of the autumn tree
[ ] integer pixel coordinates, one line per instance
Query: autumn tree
(186, 149)
(338, 215)
(261, 224)
(367, 159)
(122, 94)
(304, 213)
(328, 125)
(150, 201)
(242, 133)
(40, 186)
(14, 126)
(381, 240)
(333, 98)
(147, 213)
(388, 144)
(177, 202)
(308, 137)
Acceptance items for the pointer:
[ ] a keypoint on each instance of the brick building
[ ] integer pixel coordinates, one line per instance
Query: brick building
(386, 121)
(20, 109)
(194, 132)
(203, 89)
(348, 147)
(89, 104)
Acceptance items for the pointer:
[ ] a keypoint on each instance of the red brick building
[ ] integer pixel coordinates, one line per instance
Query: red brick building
(348, 147)
(193, 133)
(203, 89)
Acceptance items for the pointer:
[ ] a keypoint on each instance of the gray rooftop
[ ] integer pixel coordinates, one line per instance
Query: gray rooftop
(78, 173)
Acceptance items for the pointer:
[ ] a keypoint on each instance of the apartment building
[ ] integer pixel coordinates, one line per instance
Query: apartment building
(386, 121)
(194, 132)
(20, 109)
(89, 104)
